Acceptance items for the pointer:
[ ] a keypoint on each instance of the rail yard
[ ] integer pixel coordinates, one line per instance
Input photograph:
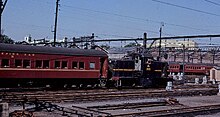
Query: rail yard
(113, 102)
(56, 82)
(113, 71)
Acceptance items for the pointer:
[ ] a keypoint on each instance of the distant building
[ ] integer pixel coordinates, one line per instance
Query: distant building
(118, 53)
(28, 39)
(175, 43)
(215, 73)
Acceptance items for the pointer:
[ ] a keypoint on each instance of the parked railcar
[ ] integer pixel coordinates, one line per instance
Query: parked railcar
(33, 65)
(190, 68)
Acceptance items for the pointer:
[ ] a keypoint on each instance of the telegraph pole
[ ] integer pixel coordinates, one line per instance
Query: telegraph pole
(145, 41)
(55, 26)
(162, 24)
(160, 42)
(2, 6)
(184, 60)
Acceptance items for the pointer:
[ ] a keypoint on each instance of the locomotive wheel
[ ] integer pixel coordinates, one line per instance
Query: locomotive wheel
(81, 86)
(48, 86)
(88, 86)
(73, 86)
(102, 82)
(94, 86)
(19, 85)
(134, 85)
(65, 86)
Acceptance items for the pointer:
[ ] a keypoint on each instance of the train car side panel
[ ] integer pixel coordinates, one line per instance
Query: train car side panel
(28, 63)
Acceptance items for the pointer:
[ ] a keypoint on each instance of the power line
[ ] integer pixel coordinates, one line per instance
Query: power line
(130, 17)
(196, 10)
(135, 18)
(113, 35)
(188, 27)
(155, 32)
(121, 26)
(215, 3)
(68, 30)
(108, 13)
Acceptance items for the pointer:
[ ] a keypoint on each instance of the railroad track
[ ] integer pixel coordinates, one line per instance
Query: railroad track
(176, 110)
(100, 95)
(56, 96)
(185, 111)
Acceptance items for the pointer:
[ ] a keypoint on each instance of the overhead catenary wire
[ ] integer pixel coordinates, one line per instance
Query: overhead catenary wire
(183, 7)
(106, 23)
(215, 3)
(69, 30)
(120, 26)
(135, 18)
(131, 17)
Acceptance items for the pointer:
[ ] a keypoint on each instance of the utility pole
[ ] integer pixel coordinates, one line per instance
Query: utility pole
(184, 60)
(2, 6)
(162, 24)
(55, 26)
(145, 41)
(213, 56)
(160, 43)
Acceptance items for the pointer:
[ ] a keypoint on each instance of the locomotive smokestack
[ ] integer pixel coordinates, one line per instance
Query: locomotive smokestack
(145, 41)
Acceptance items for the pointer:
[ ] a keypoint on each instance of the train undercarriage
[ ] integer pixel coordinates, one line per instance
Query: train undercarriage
(52, 83)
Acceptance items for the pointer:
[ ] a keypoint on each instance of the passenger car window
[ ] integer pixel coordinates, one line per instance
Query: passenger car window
(74, 65)
(18, 63)
(64, 64)
(57, 64)
(92, 65)
(5, 63)
(38, 64)
(81, 65)
(46, 63)
(26, 64)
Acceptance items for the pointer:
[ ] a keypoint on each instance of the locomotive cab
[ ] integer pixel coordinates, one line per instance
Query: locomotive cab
(154, 73)
(139, 70)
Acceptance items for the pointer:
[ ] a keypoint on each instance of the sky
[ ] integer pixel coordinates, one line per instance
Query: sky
(111, 18)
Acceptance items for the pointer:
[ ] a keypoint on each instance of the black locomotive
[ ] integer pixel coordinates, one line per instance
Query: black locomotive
(139, 69)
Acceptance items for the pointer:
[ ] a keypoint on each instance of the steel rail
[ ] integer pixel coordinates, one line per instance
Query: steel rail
(173, 112)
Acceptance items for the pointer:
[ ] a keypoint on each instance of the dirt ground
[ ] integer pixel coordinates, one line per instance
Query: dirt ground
(185, 101)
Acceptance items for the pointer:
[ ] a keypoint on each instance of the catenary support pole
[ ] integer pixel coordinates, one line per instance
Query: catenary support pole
(2, 6)
(55, 26)
(145, 41)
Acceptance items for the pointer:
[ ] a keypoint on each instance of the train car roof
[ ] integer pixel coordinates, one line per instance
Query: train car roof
(187, 63)
(50, 50)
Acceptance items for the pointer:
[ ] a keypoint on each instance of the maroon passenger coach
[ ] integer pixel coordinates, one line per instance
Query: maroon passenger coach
(39, 65)
(190, 68)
